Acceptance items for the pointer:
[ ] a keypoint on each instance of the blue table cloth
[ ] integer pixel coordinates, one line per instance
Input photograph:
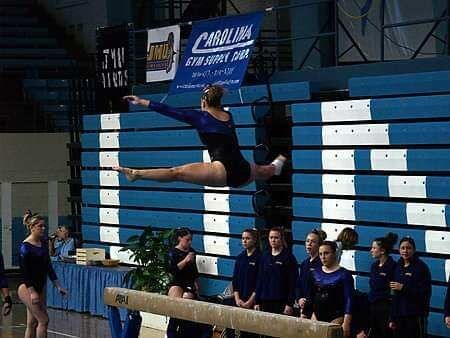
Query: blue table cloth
(85, 285)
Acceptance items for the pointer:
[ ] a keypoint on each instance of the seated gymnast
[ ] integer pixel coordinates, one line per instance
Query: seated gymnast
(7, 302)
(184, 284)
(217, 132)
(183, 267)
(332, 290)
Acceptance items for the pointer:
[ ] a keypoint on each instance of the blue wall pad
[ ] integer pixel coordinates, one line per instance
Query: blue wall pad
(414, 83)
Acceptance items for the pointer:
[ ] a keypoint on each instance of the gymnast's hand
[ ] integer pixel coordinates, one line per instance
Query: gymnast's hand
(190, 257)
(62, 291)
(133, 99)
(288, 310)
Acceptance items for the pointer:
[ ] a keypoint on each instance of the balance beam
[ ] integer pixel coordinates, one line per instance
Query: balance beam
(221, 315)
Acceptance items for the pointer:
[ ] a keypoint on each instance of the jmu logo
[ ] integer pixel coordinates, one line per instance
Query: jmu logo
(160, 55)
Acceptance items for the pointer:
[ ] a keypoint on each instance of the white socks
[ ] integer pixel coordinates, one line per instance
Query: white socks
(278, 163)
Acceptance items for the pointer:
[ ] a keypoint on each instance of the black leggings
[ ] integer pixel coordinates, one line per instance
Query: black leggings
(379, 319)
(411, 327)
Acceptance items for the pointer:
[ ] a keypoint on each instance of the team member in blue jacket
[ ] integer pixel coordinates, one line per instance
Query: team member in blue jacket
(246, 271)
(381, 274)
(411, 287)
(217, 132)
(447, 307)
(332, 290)
(312, 243)
(245, 274)
(277, 278)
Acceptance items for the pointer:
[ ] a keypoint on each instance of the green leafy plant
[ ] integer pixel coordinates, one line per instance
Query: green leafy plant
(150, 252)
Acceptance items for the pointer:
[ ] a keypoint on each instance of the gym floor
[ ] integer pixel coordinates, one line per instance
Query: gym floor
(67, 324)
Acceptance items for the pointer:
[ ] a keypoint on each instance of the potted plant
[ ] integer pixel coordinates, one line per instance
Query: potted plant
(149, 252)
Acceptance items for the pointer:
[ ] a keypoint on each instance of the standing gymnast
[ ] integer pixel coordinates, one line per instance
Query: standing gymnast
(411, 287)
(7, 302)
(332, 290)
(36, 266)
(217, 131)
(381, 273)
(313, 241)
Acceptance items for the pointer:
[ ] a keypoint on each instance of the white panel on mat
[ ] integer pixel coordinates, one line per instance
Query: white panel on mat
(109, 140)
(109, 215)
(437, 241)
(354, 110)
(367, 134)
(338, 184)
(348, 260)
(338, 209)
(407, 186)
(110, 121)
(109, 234)
(109, 197)
(216, 223)
(426, 214)
(333, 229)
(207, 264)
(388, 159)
(216, 202)
(109, 178)
(216, 245)
(338, 159)
(108, 158)
(447, 269)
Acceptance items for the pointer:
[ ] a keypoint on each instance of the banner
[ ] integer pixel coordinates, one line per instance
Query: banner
(112, 68)
(163, 50)
(217, 52)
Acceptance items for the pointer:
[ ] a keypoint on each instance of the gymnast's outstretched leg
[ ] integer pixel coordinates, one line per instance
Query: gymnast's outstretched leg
(210, 174)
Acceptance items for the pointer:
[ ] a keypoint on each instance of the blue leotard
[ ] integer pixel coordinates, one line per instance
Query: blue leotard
(218, 136)
(36, 265)
(332, 294)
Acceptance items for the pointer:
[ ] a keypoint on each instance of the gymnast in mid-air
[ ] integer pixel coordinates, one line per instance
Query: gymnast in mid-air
(217, 131)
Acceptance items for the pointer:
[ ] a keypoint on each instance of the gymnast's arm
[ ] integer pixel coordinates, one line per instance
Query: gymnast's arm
(190, 116)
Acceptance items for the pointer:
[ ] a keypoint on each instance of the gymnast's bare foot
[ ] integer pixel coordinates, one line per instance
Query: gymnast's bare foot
(129, 173)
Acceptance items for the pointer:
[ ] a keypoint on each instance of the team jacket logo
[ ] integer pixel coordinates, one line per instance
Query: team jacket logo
(160, 55)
